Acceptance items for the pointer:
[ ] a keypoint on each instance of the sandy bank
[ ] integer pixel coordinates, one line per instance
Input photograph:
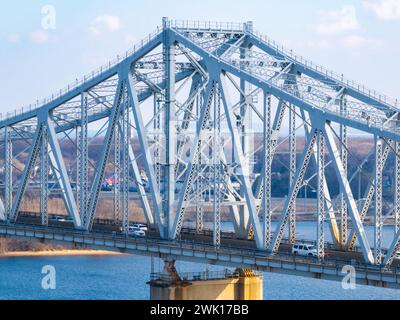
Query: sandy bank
(59, 253)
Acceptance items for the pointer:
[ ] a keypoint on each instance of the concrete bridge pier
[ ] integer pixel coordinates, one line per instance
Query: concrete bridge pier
(241, 284)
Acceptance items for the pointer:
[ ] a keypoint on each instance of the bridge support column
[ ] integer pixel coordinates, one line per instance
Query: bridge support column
(241, 284)
(216, 167)
(321, 195)
(292, 173)
(343, 156)
(378, 200)
(44, 179)
(117, 176)
(397, 188)
(170, 128)
(267, 171)
(83, 160)
(8, 173)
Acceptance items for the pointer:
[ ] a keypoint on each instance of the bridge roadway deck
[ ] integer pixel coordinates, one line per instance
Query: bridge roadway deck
(198, 248)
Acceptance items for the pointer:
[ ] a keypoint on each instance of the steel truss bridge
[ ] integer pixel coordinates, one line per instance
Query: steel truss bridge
(192, 96)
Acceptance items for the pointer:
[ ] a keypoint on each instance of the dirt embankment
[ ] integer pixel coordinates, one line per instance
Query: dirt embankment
(7, 246)
(14, 248)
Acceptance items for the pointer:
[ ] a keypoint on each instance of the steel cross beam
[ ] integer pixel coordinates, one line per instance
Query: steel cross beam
(345, 186)
(141, 190)
(286, 95)
(34, 152)
(239, 156)
(101, 164)
(147, 46)
(136, 173)
(276, 127)
(328, 205)
(312, 72)
(208, 61)
(202, 121)
(369, 194)
(57, 161)
(293, 191)
(141, 133)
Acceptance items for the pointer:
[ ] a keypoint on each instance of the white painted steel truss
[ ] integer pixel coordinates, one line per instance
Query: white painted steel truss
(177, 117)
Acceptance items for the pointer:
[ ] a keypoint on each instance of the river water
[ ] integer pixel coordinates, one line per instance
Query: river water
(125, 276)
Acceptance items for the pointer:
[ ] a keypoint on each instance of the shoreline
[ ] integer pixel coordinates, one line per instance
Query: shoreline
(58, 253)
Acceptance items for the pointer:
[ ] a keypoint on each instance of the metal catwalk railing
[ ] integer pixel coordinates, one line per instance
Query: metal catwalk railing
(280, 49)
(78, 82)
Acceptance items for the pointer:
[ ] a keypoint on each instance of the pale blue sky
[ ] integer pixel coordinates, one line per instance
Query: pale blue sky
(358, 38)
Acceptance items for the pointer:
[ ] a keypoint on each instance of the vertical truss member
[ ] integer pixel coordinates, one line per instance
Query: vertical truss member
(321, 194)
(44, 178)
(378, 200)
(292, 173)
(169, 57)
(343, 156)
(117, 174)
(267, 170)
(126, 136)
(199, 181)
(83, 169)
(397, 188)
(8, 173)
(369, 196)
(157, 140)
(216, 167)
(190, 173)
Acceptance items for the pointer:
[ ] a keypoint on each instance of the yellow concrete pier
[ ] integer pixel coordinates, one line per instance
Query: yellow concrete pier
(225, 285)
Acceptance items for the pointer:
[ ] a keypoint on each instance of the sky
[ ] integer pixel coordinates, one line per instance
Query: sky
(44, 45)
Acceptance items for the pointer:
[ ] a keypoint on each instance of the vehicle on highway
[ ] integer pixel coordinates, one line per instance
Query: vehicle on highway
(304, 250)
(136, 232)
(140, 226)
(57, 218)
(397, 255)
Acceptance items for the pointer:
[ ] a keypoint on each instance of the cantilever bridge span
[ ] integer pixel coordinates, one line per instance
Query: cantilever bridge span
(209, 107)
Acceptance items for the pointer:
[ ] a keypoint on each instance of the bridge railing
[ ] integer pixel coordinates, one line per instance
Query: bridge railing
(189, 231)
(78, 82)
(340, 79)
(225, 249)
(206, 25)
(196, 276)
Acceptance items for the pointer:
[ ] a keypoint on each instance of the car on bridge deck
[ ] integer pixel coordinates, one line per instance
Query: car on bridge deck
(140, 226)
(137, 232)
(60, 218)
(304, 250)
